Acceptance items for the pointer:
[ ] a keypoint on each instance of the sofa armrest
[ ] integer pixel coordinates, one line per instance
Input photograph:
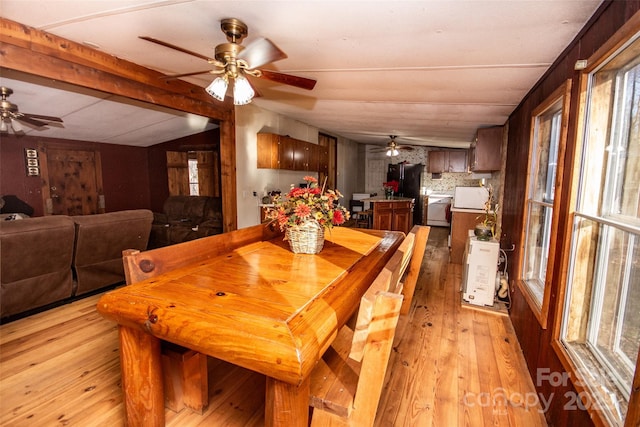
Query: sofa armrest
(160, 218)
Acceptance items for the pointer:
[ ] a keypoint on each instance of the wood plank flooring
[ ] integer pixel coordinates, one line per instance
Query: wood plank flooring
(451, 366)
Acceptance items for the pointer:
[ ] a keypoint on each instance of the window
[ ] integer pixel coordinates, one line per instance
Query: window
(193, 175)
(548, 137)
(600, 328)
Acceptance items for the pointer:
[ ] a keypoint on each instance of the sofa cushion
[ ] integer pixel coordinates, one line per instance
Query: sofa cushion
(35, 261)
(100, 240)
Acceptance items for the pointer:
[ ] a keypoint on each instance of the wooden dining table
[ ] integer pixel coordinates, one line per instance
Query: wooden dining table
(257, 305)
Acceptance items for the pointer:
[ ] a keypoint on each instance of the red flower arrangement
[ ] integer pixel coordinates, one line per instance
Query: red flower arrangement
(392, 185)
(310, 203)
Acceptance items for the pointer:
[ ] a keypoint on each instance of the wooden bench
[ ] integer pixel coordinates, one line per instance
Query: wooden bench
(347, 382)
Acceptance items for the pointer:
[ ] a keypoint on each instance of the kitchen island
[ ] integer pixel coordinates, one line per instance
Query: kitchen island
(395, 214)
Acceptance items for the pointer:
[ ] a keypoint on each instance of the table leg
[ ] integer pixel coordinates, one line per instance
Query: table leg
(286, 405)
(141, 368)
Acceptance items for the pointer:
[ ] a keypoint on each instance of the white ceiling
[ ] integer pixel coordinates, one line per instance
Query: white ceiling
(430, 71)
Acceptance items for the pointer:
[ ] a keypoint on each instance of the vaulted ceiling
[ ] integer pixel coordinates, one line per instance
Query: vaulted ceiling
(430, 71)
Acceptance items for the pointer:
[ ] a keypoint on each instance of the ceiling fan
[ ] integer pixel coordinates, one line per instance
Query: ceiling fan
(234, 62)
(10, 116)
(392, 148)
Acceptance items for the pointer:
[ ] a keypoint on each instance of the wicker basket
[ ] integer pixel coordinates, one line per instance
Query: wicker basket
(306, 239)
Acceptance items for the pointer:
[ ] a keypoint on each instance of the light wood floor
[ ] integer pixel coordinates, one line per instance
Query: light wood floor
(451, 366)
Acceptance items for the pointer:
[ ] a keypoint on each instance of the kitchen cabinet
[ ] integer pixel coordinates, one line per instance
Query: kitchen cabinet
(283, 152)
(394, 215)
(485, 153)
(447, 161)
(458, 161)
(461, 222)
(268, 151)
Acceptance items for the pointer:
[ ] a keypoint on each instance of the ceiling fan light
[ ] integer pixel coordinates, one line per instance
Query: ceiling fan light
(17, 127)
(242, 91)
(218, 88)
(3, 126)
(392, 152)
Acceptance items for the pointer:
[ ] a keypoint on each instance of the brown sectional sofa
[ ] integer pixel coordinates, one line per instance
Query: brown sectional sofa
(49, 259)
(185, 218)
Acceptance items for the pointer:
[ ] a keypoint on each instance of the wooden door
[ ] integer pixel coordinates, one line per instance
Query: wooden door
(72, 183)
(329, 172)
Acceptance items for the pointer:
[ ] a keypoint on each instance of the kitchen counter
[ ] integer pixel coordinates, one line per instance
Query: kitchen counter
(383, 199)
(475, 211)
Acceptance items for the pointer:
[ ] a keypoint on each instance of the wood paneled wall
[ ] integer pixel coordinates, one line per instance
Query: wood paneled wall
(535, 341)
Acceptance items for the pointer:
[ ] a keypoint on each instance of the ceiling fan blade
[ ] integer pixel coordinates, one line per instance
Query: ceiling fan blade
(177, 76)
(301, 82)
(172, 46)
(30, 121)
(38, 116)
(260, 52)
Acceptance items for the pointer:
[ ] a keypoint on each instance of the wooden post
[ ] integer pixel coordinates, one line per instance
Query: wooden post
(291, 401)
(141, 369)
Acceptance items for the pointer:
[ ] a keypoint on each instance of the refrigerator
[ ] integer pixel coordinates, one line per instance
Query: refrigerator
(409, 177)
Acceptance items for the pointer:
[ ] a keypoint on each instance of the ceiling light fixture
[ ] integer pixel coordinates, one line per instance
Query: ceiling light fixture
(7, 123)
(392, 152)
(242, 91)
(218, 87)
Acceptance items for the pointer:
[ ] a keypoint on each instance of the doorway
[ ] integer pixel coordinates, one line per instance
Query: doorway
(71, 181)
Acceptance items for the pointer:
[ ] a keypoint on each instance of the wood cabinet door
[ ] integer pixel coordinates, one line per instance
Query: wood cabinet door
(382, 215)
(286, 153)
(457, 161)
(268, 157)
(402, 218)
(437, 161)
(301, 155)
(488, 150)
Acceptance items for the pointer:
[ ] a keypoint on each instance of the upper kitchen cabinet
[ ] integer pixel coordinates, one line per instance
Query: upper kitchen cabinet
(447, 161)
(283, 152)
(486, 151)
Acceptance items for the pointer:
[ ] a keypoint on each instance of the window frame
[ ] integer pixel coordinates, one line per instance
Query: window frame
(614, 45)
(561, 95)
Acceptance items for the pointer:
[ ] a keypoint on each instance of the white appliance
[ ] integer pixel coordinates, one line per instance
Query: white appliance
(480, 270)
(470, 197)
(438, 205)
